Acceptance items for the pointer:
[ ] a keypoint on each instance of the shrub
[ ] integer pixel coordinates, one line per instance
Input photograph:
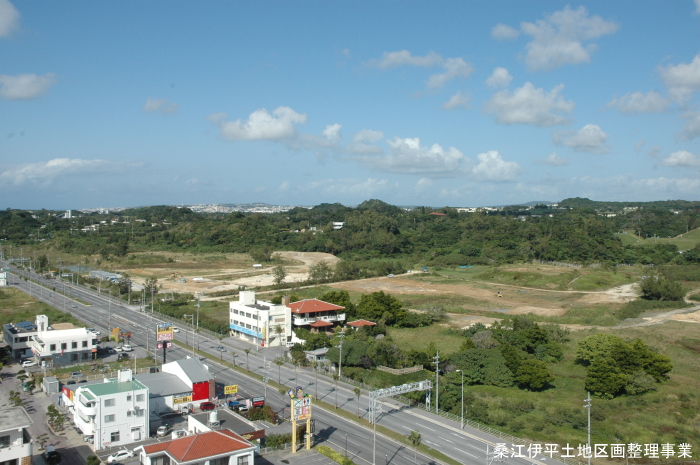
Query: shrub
(335, 456)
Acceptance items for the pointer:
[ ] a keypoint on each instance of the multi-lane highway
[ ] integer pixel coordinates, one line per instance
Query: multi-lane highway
(468, 446)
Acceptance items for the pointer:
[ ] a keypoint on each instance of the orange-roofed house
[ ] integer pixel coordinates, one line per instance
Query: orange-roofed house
(357, 324)
(223, 447)
(316, 315)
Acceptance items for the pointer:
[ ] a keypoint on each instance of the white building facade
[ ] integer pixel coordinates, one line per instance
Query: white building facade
(115, 412)
(62, 347)
(16, 446)
(258, 321)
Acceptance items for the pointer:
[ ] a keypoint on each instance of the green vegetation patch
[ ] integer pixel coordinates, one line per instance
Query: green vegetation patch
(446, 341)
(637, 307)
(16, 306)
(681, 272)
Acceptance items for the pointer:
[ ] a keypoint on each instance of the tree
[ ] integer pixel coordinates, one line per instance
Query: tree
(656, 287)
(261, 254)
(378, 305)
(55, 418)
(320, 272)
(601, 344)
(533, 375)
(604, 378)
(483, 366)
(358, 392)
(279, 330)
(279, 361)
(151, 286)
(247, 352)
(279, 274)
(415, 438)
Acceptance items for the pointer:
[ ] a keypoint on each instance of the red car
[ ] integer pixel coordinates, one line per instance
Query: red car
(206, 406)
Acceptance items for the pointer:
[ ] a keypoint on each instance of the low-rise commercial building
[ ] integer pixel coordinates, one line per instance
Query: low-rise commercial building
(52, 347)
(212, 448)
(260, 322)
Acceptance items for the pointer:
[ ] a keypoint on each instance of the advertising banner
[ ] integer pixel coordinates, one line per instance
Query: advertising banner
(164, 332)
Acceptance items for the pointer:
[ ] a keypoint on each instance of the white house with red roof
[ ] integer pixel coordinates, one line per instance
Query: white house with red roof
(316, 314)
(223, 447)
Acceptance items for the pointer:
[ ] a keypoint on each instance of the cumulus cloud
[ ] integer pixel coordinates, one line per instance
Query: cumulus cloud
(503, 31)
(405, 58)
(553, 160)
(454, 68)
(332, 133)
(162, 106)
(691, 130)
(424, 184)
(639, 102)
(682, 79)
(407, 156)
(260, 125)
(589, 138)
(25, 86)
(559, 38)
(492, 167)
(458, 100)
(499, 78)
(681, 158)
(530, 105)
(9, 18)
(363, 142)
(41, 174)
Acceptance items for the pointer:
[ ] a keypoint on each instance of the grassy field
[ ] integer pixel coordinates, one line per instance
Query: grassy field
(682, 241)
(446, 341)
(16, 306)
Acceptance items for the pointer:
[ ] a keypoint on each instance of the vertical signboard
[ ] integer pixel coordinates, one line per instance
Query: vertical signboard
(164, 332)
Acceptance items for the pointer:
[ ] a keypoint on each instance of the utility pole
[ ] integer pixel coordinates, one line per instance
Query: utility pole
(437, 379)
(587, 405)
(340, 360)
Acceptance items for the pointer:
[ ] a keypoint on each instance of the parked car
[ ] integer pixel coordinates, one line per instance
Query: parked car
(51, 456)
(73, 306)
(122, 356)
(76, 374)
(162, 430)
(121, 455)
(220, 348)
(153, 370)
(207, 406)
(28, 363)
(70, 381)
(127, 348)
(119, 349)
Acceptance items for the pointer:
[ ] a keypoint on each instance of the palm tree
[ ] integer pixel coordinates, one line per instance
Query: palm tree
(335, 378)
(415, 439)
(358, 392)
(279, 330)
(279, 361)
(247, 365)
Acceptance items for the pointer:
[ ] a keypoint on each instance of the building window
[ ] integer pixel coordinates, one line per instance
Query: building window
(64, 346)
(219, 461)
(74, 345)
(128, 397)
(139, 413)
(128, 413)
(4, 442)
(84, 356)
(109, 418)
(84, 343)
(255, 317)
(243, 460)
(114, 437)
(109, 402)
(235, 312)
(162, 460)
(52, 347)
(247, 326)
(247, 315)
(139, 397)
(73, 357)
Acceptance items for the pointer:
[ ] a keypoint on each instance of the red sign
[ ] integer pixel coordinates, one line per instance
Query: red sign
(159, 345)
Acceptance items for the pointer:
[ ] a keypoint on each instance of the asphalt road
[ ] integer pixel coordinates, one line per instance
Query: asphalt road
(467, 446)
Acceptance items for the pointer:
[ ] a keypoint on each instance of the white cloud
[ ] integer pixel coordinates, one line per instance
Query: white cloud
(553, 160)
(363, 142)
(350, 187)
(332, 133)
(691, 130)
(639, 102)
(454, 68)
(9, 18)
(682, 79)
(681, 158)
(529, 105)
(41, 174)
(499, 78)
(407, 156)
(458, 100)
(502, 31)
(589, 138)
(405, 58)
(261, 125)
(25, 86)
(492, 167)
(423, 184)
(154, 105)
(558, 39)
(697, 6)
(284, 187)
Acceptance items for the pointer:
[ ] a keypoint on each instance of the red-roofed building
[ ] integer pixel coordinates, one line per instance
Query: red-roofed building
(222, 447)
(316, 313)
(357, 324)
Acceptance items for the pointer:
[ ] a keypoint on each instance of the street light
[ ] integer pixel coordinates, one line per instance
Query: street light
(192, 317)
(462, 423)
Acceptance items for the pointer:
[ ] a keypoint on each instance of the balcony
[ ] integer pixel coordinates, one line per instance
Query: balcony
(17, 451)
(87, 409)
(328, 318)
(86, 426)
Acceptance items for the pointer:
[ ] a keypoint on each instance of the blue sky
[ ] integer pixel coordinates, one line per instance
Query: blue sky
(464, 103)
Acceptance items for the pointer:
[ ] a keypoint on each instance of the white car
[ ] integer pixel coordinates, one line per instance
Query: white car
(28, 363)
(119, 349)
(121, 455)
(127, 348)
(176, 330)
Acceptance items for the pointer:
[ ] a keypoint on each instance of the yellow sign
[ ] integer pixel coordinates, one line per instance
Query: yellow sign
(232, 389)
(264, 332)
(116, 330)
(181, 400)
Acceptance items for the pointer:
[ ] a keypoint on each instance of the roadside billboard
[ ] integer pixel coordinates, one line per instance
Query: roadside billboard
(231, 389)
(164, 332)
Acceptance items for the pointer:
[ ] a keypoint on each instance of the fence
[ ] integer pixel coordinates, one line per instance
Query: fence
(401, 371)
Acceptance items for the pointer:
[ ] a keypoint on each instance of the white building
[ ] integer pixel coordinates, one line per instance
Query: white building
(222, 447)
(115, 412)
(15, 443)
(62, 347)
(18, 337)
(257, 321)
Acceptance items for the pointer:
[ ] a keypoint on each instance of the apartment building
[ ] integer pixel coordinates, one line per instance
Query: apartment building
(16, 446)
(260, 322)
(61, 347)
